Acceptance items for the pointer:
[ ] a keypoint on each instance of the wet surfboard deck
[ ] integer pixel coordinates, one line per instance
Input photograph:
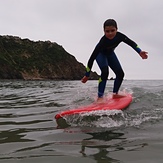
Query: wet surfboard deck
(111, 103)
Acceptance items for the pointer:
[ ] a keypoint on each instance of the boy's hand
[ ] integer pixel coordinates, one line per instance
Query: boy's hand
(84, 79)
(143, 54)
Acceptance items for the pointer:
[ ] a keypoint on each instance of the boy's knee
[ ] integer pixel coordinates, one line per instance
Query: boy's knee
(120, 74)
(105, 73)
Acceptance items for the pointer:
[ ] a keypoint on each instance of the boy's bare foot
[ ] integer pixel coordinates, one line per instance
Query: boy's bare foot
(100, 100)
(118, 96)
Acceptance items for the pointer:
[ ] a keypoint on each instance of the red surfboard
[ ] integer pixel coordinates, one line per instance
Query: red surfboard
(110, 104)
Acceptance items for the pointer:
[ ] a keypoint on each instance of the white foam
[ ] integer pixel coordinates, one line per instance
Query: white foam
(103, 118)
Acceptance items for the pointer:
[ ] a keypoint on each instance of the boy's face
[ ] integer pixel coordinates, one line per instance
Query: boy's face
(110, 32)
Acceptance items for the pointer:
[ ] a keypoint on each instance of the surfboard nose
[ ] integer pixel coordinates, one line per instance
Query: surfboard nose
(57, 116)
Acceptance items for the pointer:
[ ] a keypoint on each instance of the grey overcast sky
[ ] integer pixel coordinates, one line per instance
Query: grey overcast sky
(77, 25)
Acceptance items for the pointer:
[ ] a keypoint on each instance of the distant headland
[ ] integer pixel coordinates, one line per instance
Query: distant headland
(38, 60)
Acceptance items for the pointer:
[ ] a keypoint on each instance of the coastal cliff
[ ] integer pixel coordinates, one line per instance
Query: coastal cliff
(38, 60)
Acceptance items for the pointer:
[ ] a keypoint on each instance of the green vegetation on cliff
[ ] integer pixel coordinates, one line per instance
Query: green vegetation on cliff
(26, 59)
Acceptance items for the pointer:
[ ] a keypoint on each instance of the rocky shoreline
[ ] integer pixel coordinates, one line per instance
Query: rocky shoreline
(38, 60)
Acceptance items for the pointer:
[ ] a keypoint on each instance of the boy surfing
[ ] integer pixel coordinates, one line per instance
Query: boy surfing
(105, 57)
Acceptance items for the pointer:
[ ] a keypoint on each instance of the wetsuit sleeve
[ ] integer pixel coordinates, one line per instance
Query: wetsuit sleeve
(131, 43)
(91, 60)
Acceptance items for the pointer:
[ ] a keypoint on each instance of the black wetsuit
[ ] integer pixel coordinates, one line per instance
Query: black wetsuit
(105, 56)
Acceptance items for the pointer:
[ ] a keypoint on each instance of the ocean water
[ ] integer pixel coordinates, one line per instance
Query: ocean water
(29, 132)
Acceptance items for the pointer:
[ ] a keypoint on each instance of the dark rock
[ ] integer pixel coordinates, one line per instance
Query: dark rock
(29, 60)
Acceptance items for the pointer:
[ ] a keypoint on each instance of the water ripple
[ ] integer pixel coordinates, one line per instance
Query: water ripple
(28, 130)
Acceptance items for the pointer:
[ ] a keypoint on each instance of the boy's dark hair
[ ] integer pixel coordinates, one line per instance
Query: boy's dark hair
(110, 22)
